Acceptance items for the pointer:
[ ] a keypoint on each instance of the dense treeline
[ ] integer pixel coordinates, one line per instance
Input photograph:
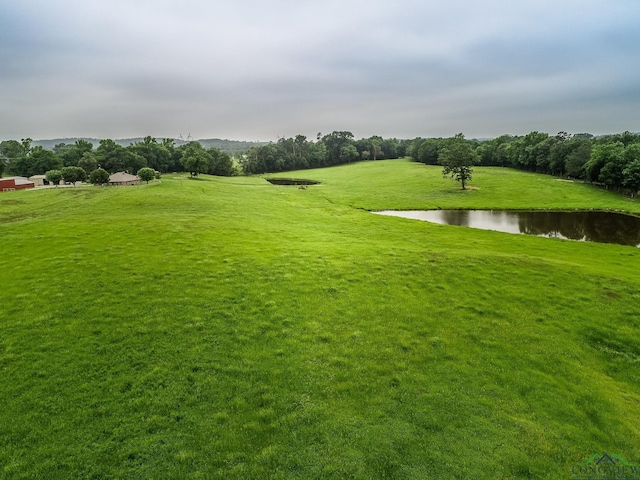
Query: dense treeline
(23, 159)
(336, 148)
(612, 160)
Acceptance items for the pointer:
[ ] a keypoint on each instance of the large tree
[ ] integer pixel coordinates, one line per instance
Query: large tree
(580, 152)
(195, 159)
(220, 163)
(632, 177)
(110, 156)
(88, 162)
(72, 154)
(457, 160)
(606, 163)
(37, 162)
(156, 155)
(335, 142)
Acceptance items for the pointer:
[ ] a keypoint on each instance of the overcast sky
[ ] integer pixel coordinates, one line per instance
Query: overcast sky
(257, 70)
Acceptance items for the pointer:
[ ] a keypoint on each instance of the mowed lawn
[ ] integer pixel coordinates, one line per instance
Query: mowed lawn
(228, 328)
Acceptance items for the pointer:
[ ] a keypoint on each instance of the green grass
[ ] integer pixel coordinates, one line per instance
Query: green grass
(229, 328)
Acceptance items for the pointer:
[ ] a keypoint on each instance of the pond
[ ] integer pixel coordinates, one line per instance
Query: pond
(603, 227)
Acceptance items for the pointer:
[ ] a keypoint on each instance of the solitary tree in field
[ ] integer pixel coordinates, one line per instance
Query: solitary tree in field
(146, 174)
(457, 160)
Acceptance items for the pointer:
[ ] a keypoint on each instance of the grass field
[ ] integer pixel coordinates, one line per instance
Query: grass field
(228, 328)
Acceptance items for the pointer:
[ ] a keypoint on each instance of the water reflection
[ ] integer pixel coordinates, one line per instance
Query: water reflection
(603, 227)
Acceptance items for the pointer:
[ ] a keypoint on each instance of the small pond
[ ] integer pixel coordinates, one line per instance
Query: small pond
(603, 227)
(291, 181)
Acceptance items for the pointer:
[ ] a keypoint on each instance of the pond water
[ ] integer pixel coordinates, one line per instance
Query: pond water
(603, 227)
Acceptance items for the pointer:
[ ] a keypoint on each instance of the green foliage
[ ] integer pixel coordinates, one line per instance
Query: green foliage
(495, 153)
(11, 150)
(220, 163)
(146, 174)
(195, 159)
(71, 155)
(14, 154)
(335, 142)
(74, 174)
(577, 158)
(156, 155)
(36, 162)
(348, 154)
(88, 162)
(457, 160)
(110, 156)
(601, 155)
(99, 176)
(631, 175)
(53, 176)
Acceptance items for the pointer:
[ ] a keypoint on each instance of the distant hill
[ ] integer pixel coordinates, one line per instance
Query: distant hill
(233, 147)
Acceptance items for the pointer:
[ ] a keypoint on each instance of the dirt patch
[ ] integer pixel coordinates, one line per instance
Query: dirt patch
(12, 202)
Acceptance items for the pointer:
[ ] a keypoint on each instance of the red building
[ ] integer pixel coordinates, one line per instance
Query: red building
(15, 183)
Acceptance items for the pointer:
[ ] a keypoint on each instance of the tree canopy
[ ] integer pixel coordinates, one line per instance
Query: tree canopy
(73, 174)
(99, 176)
(457, 159)
(146, 174)
(53, 176)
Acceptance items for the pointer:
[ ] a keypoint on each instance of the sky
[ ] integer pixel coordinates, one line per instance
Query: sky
(261, 70)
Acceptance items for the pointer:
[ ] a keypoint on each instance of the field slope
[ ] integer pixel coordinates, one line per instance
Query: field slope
(229, 328)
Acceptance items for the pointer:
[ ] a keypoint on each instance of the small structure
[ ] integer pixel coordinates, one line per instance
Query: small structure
(39, 180)
(123, 178)
(15, 183)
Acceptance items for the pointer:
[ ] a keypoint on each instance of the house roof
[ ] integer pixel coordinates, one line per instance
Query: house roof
(122, 177)
(19, 180)
(37, 176)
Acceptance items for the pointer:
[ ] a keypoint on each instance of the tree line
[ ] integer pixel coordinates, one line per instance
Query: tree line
(23, 159)
(335, 148)
(612, 161)
(20, 158)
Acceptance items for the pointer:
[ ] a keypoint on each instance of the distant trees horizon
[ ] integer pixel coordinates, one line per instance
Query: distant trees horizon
(612, 161)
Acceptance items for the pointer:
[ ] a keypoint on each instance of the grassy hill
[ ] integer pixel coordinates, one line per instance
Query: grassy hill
(229, 328)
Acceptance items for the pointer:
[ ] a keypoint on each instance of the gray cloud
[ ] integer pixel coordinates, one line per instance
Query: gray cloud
(248, 69)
